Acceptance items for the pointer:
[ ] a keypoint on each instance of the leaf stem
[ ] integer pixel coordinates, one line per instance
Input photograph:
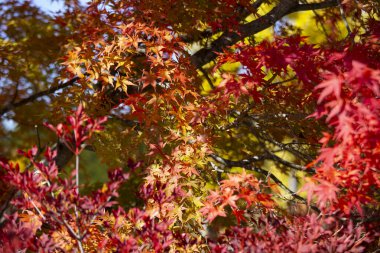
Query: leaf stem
(77, 172)
(77, 191)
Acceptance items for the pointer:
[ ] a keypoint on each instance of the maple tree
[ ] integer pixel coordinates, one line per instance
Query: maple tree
(228, 126)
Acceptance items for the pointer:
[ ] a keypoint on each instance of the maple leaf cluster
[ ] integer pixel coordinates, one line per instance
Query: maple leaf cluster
(349, 156)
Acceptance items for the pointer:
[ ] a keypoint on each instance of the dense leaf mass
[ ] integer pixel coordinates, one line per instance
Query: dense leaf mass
(227, 126)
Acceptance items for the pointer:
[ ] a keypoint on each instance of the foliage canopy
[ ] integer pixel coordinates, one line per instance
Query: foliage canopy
(229, 126)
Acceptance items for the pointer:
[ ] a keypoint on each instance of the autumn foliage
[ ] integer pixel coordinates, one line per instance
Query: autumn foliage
(226, 126)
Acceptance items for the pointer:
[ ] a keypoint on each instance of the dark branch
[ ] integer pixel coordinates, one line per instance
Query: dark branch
(246, 164)
(315, 6)
(270, 84)
(37, 95)
(251, 160)
(7, 200)
(241, 163)
(284, 8)
(297, 153)
(295, 166)
(208, 33)
(202, 35)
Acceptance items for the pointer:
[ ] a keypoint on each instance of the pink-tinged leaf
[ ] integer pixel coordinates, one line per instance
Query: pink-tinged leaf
(330, 87)
(211, 211)
(325, 192)
(229, 198)
(336, 106)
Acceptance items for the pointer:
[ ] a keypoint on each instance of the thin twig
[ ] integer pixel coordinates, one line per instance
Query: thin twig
(77, 172)
(94, 217)
(77, 191)
(71, 231)
(270, 84)
(344, 18)
(37, 209)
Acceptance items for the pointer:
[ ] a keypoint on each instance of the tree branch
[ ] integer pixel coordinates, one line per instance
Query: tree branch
(240, 163)
(269, 155)
(207, 33)
(37, 95)
(284, 8)
(295, 166)
(246, 164)
(315, 6)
